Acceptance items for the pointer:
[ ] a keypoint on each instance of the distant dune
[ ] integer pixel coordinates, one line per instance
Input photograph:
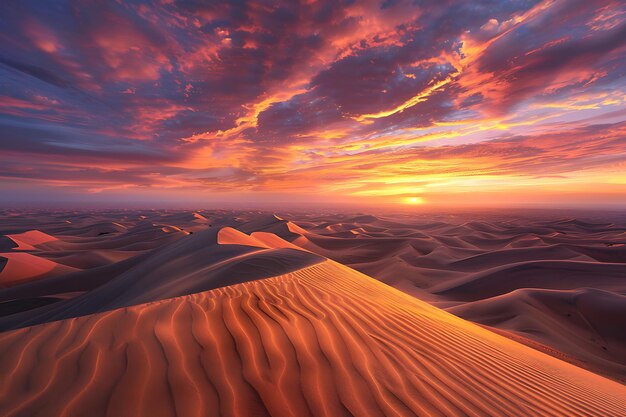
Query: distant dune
(244, 313)
(588, 323)
(29, 240)
(18, 268)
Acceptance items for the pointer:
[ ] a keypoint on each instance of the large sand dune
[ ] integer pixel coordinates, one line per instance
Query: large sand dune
(320, 341)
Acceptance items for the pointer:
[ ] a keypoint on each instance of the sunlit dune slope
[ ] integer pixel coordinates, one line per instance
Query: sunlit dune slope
(29, 240)
(230, 236)
(324, 340)
(19, 267)
(273, 224)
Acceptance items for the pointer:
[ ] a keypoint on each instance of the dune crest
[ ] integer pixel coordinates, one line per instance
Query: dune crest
(29, 240)
(230, 236)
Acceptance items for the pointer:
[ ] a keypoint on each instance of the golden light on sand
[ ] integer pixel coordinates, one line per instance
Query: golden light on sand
(413, 200)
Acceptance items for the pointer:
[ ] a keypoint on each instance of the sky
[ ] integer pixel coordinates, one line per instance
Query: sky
(377, 102)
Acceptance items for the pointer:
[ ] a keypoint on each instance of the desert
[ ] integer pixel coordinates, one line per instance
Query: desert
(253, 313)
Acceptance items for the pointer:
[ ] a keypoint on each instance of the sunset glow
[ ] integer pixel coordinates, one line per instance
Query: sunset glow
(379, 102)
(414, 200)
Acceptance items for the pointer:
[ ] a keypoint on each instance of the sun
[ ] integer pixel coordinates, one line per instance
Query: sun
(413, 200)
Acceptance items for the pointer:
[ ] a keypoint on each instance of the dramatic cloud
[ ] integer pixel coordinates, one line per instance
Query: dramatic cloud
(343, 99)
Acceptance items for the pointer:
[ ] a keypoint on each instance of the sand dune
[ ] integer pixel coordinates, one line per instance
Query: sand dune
(319, 341)
(29, 240)
(91, 258)
(273, 241)
(272, 224)
(17, 268)
(75, 283)
(96, 229)
(587, 323)
(535, 274)
(230, 236)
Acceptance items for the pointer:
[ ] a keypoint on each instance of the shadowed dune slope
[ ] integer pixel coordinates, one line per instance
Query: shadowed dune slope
(587, 323)
(324, 340)
(535, 274)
